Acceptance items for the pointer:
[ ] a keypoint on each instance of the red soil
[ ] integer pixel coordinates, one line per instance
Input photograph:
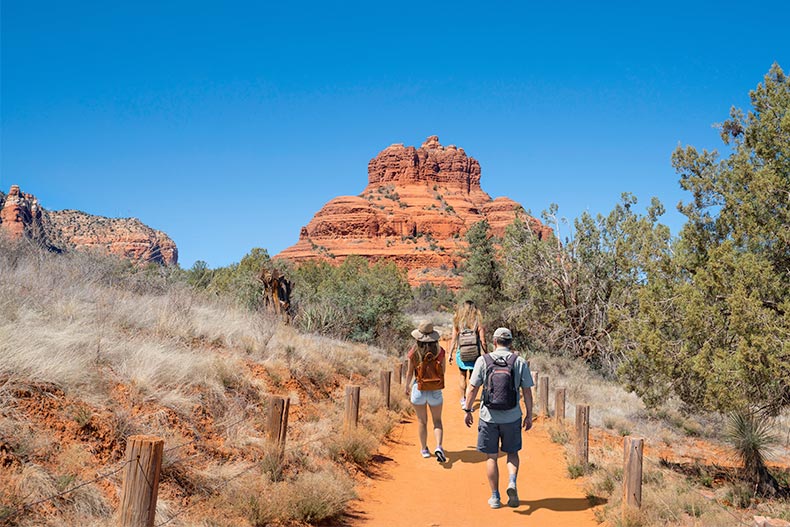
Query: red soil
(409, 490)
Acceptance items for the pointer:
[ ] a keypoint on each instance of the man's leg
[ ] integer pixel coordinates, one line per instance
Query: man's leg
(512, 465)
(492, 471)
(511, 443)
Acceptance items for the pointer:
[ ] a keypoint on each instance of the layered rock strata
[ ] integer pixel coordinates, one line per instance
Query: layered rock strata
(21, 216)
(415, 211)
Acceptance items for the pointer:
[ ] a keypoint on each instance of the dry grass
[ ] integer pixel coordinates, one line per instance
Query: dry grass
(311, 497)
(111, 352)
(669, 498)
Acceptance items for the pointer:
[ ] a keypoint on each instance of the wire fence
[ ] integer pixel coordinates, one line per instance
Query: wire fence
(228, 481)
(7, 515)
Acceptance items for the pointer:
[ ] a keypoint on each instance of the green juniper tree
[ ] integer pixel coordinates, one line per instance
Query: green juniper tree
(715, 328)
(482, 273)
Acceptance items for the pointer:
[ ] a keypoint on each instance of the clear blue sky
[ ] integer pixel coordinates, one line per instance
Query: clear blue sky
(229, 124)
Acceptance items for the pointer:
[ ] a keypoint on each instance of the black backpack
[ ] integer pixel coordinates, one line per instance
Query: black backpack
(499, 389)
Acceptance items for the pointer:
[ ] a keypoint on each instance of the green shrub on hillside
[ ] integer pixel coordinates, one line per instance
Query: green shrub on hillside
(354, 300)
(237, 280)
(429, 297)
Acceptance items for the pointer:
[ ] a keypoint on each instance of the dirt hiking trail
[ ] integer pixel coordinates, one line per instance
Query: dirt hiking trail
(408, 490)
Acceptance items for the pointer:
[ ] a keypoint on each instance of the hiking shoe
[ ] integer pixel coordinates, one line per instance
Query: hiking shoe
(440, 456)
(425, 453)
(512, 495)
(494, 502)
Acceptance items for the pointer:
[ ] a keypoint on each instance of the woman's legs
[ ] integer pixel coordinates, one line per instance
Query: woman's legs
(438, 430)
(422, 422)
(462, 382)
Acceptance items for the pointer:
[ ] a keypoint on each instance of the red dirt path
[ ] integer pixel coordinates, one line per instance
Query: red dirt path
(415, 492)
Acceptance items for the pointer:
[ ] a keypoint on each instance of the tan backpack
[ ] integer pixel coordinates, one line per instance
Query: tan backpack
(430, 373)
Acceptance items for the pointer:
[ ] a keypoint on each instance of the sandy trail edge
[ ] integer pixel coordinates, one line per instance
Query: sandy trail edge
(411, 491)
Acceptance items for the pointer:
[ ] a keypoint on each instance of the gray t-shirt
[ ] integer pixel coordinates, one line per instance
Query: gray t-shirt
(523, 380)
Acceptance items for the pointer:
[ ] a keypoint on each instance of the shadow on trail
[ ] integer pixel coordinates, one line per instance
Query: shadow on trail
(377, 467)
(559, 504)
(471, 455)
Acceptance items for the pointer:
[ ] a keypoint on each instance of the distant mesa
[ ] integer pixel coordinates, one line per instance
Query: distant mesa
(21, 216)
(415, 211)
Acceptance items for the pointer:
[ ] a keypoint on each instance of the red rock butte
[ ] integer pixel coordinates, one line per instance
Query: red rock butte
(21, 216)
(415, 211)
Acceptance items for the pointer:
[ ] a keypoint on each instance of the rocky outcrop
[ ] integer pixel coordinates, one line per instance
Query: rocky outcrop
(415, 211)
(21, 216)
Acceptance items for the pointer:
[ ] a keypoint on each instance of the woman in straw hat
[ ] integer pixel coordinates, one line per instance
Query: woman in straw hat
(426, 367)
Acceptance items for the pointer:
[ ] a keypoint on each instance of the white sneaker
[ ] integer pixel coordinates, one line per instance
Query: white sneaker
(494, 503)
(463, 402)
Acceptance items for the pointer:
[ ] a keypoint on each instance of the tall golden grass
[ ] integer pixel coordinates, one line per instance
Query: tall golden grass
(93, 350)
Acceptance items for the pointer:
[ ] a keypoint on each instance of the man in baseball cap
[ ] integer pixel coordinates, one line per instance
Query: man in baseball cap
(503, 374)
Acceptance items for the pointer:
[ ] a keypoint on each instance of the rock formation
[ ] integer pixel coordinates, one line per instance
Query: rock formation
(415, 211)
(21, 216)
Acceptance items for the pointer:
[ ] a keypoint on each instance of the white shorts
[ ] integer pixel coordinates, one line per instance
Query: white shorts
(429, 397)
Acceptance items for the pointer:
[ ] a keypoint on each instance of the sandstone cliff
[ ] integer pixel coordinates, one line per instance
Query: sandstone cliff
(21, 216)
(415, 211)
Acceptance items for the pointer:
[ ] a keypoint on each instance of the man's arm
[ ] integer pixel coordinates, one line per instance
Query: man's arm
(527, 394)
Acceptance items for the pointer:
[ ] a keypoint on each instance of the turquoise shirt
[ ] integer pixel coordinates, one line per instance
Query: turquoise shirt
(523, 380)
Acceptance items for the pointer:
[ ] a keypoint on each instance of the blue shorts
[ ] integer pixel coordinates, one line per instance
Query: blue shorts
(489, 436)
(429, 397)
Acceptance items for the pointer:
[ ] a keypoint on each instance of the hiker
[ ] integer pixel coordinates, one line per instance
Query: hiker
(501, 373)
(426, 366)
(468, 341)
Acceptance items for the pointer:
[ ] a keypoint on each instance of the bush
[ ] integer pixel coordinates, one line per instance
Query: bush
(428, 297)
(354, 300)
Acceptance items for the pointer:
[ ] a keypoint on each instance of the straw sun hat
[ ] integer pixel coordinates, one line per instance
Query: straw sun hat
(425, 332)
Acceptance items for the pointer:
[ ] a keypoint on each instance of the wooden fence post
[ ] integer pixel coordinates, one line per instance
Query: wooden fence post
(385, 380)
(633, 448)
(583, 434)
(543, 395)
(559, 405)
(141, 480)
(352, 407)
(399, 373)
(277, 420)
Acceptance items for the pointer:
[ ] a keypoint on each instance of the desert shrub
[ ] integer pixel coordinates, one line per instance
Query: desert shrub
(321, 495)
(428, 297)
(573, 294)
(559, 433)
(367, 300)
(238, 281)
(356, 446)
(753, 438)
(312, 497)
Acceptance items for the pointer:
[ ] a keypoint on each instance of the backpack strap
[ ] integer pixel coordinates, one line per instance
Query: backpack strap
(511, 362)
